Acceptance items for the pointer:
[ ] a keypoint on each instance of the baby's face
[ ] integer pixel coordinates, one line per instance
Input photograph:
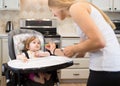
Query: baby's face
(34, 45)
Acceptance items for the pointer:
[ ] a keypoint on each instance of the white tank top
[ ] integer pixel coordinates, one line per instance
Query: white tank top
(108, 58)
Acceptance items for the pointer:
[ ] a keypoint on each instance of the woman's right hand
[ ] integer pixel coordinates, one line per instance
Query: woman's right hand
(50, 46)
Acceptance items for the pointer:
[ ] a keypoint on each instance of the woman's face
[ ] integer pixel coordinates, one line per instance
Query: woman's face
(34, 45)
(60, 13)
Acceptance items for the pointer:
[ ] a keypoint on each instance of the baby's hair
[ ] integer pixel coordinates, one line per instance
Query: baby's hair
(28, 41)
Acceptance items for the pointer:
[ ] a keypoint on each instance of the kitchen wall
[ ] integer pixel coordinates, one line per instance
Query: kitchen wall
(39, 9)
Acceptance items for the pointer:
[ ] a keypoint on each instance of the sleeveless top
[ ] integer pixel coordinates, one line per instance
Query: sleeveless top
(107, 58)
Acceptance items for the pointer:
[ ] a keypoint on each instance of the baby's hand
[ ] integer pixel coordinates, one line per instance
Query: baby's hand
(37, 54)
(41, 54)
(22, 57)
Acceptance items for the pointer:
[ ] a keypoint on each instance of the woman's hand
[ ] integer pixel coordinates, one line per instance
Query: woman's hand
(69, 51)
(50, 46)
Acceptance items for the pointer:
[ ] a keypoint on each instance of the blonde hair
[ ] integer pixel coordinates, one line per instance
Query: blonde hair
(68, 3)
(28, 41)
(108, 20)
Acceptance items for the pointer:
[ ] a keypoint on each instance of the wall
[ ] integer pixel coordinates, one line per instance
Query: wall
(38, 9)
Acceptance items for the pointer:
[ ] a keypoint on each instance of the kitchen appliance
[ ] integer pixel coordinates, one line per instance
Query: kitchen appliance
(48, 27)
(117, 24)
(9, 26)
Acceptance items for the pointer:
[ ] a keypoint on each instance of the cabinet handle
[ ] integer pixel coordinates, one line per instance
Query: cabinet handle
(76, 63)
(75, 43)
(115, 8)
(5, 6)
(109, 8)
(76, 74)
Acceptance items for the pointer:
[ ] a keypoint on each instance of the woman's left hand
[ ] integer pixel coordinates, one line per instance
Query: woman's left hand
(69, 51)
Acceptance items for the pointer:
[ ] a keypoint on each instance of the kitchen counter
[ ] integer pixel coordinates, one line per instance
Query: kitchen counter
(3, 35)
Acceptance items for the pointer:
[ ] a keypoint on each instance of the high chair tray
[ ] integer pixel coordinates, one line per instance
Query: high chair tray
(43, 64)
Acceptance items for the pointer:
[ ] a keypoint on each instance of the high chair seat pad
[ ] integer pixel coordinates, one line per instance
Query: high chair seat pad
(41, 64)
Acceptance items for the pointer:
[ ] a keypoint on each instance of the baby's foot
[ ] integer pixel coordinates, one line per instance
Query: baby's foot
(39, 80)
(47, 76)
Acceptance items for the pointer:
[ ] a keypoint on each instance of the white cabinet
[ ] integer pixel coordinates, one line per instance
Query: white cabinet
(4, 57)
(9, 4)
(89, 0)
(4, 51)
(107, 5)
(79, 70)
(0, 55)
(116, 5)
(66, 41)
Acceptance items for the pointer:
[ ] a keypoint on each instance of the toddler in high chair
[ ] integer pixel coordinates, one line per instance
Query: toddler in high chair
(32, 49)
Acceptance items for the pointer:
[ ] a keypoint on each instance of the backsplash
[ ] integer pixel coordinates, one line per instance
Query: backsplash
(38, 9)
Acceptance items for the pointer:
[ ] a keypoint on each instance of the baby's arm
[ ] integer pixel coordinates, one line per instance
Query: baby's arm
(22, 57)
(42, 54)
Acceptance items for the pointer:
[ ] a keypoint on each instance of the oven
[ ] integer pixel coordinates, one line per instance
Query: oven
(117, 24)
(48, 27)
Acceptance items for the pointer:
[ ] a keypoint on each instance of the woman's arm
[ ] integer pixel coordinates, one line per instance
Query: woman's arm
(83, 19)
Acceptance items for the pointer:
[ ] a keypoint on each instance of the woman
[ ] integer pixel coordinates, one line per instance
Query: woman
(98, 38)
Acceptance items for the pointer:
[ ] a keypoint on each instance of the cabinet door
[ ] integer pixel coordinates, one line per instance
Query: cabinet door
(1, 4)
(11, 4)
(89, 0)
(116, 5)
(5, 55)
(105, 5)
(69, 41)
(0, 56)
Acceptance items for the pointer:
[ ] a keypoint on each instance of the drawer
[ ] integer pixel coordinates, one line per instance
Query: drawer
(80, 63)
(74, 73)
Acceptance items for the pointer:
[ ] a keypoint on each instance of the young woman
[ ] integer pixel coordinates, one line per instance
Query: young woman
(32, 48)
(98, 38)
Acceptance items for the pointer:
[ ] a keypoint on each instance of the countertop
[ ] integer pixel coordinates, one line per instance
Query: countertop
(3, 35)
(6, 34)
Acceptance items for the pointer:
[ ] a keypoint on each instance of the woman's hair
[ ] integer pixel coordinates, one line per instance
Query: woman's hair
(60, 3)
(28, 41)
(108, 20)
(68, 3)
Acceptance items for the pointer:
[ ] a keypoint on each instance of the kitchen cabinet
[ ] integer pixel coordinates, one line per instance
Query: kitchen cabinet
(79, 70)
(2, 78)
(4, 57)
(66, 41)
(0, 55)
(108, 5)
(9, 4)
(89, 0)
(118, 37)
